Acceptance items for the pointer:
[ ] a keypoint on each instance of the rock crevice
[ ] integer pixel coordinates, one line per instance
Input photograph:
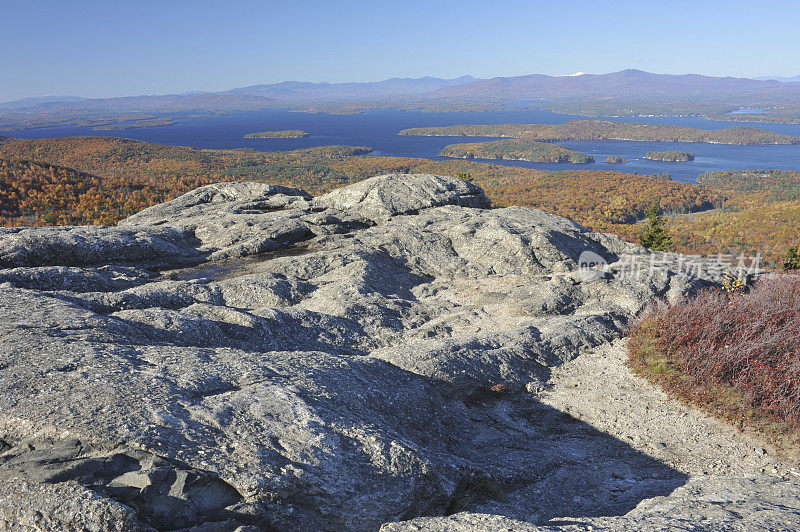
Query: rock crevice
(249, 356)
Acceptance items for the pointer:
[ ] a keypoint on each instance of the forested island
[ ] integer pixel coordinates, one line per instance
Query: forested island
(785, 116)
(154, 122)
(670, 156)
(516, 150)
(282, 134)
(585, 129)
(616, 159)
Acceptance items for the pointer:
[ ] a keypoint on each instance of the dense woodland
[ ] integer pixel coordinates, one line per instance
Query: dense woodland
(34, 193)
(585, 129)
(516, 150)
(101, 180)
(780, 108)
(153, 122)
(281, 134)
(761, 215)
(769, 116)
(670, 156)
(591, 197)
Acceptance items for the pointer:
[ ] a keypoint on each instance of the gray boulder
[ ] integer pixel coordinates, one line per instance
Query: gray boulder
(245, 356)
(381, 197)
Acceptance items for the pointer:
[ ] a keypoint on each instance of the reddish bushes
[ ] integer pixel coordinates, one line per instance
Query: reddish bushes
(736, 353)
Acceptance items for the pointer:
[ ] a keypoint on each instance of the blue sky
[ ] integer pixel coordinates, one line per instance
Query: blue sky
(112, 48)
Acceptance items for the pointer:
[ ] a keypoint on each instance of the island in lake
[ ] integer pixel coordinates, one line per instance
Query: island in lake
(586, 129)
(154, 122)
(616, 159)
(516, 150)
(670, 156)
(282, 134)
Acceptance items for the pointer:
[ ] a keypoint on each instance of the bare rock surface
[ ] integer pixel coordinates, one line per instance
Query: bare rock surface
(395, 352)
(703, 503)
(734, 482)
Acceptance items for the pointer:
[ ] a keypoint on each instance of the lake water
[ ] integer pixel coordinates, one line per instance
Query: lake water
(378, 129)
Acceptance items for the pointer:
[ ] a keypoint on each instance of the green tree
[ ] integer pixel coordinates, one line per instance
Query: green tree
(655, 235)
(792, 259)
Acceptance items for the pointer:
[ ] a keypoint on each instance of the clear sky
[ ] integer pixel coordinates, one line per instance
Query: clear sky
(114, 48)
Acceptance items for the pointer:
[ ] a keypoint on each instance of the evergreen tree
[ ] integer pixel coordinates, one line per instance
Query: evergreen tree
(655, 235)
(792, 259)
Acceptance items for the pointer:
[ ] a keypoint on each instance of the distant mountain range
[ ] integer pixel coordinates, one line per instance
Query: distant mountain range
(166, 103)
(254, 96)
(793, 79)
(616, 84)
(394, 87)
(28, 102)
(428, 92)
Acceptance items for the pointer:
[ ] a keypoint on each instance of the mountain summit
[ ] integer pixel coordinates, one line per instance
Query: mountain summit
(394, 87)
(629, 82)
(246, 357)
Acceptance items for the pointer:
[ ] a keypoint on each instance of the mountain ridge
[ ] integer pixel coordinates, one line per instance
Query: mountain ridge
(623, 83)
(290, 90)
(782, 79)
(626, 93)
(350, 90)
(35, 100)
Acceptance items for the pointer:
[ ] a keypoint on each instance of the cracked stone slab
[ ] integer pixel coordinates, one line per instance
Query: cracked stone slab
(247, 356)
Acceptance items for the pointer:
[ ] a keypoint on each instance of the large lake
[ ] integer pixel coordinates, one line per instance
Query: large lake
(378, 129)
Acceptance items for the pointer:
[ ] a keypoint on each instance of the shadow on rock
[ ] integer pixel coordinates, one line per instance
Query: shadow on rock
(534, 463)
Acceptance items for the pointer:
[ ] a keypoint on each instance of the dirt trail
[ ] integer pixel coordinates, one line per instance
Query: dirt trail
(735, 482)
(599, 389)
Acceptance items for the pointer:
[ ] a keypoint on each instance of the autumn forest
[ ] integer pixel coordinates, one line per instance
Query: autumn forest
(94, 180)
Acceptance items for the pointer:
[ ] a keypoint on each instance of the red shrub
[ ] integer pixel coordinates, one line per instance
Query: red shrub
(745, 341)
